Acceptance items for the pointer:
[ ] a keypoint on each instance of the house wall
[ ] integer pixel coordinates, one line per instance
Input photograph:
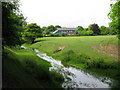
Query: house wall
(67, 32)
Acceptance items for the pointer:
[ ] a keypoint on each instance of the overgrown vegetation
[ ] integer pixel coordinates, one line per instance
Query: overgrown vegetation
(86, 61)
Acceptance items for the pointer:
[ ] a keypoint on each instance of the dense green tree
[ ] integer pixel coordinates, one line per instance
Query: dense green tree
(63, 34)
(94, 28)
(57, 26)
(80, 28)
(32, 31)
(82, 33)
(76, 32)
(114, 15)
(89, 32)
(43, 28)
(13, 23)
(51, 34)
(104, 30)
(49, 29)
(43, 31)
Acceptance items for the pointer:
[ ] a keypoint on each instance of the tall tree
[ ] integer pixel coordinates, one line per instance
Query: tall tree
(94, 28)
(12, 23)
(114, 15)
(49, 29)
(80, 28)
(57, 26)
(104, 30)
(32, 31)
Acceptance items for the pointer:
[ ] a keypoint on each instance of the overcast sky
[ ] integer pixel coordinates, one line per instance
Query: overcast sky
(66, 13)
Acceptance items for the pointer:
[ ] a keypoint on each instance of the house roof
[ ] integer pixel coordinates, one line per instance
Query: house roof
(67, 29)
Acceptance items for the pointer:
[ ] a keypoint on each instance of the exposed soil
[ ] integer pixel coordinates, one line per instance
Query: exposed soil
(59, 49)
(110, 50)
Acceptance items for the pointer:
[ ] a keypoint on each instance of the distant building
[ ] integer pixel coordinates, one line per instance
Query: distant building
(67, 31)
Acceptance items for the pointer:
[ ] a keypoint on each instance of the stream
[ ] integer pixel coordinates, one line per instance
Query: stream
(74, 78)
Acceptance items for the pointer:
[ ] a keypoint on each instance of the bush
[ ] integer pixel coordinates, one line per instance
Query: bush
(69, 55)
(82, 58)
(99, 63)
(56, 35)
(73, 57)
(52, 34)
(63, 34)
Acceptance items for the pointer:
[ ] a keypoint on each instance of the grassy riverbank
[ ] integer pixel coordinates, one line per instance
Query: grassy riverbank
(97, 52)
(87, 47)
(23, 69)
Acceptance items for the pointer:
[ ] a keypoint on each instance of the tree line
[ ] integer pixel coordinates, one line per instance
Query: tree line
(16, 31)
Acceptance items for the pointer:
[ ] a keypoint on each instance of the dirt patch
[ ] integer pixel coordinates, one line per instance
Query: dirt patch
(110, 50)
(59, 49)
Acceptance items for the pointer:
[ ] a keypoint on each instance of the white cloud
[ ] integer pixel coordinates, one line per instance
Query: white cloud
(69, 13)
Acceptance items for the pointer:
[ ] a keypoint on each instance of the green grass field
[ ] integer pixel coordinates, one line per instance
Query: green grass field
(78, 52)
(80, 45)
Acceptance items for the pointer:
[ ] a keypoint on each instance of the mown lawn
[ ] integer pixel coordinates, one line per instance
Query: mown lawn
(80, 45)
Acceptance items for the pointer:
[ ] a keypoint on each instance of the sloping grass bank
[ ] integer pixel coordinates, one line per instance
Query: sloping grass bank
(23, 69)
(79, 52)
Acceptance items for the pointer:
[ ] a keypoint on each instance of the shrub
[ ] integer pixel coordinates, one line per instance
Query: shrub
(82, 58)
(68, 56)
(63, 34)
(99, 63)
(56, 35)
(51, 34)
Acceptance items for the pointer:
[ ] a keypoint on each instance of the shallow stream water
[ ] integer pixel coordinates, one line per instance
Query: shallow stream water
(74, 78)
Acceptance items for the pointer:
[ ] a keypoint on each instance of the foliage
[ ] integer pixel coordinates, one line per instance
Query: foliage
(32, 31)
(76, 32)
(114, 15)
(63, 34)
(80, 28)
(56, 35)
(57, 26)
(71, 56)
(49, 29)
(13, 24)
(94, 28)
(89, 32)
(43, 29)
(51, 34)
(82, 33)
(104, 30)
